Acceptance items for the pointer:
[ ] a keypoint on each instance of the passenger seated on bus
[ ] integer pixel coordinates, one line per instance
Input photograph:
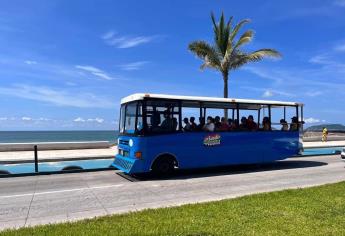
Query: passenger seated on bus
(193, 126)
(187, 126)
(201, 124)
(224, 126)
(235, 124)
(285, 126)
(209, 126)
(155, 119)
(266, 124)
(167, 124)
(294, 124)
(231, 125)
(217, 123)
(243, 125)
(251, 125)
(174, 124)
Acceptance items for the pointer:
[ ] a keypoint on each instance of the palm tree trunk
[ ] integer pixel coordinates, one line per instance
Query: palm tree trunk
(225, 79)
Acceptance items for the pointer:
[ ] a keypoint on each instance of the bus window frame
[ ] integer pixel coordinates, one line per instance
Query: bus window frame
(179, 113)
(203, 108)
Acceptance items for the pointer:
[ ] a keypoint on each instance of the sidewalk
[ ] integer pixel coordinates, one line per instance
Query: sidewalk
(324, 144)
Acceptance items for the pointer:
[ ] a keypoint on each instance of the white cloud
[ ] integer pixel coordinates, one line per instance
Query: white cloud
(95, 71)
(25, 118)
(112, 39)
(320, 59)
(133, 66)
(314, 93)
(102, 75)
(340, 47)
(57, 96)
(91, 69)
(275, 76)
(312, 120)
(108, 35)
(273, 92)
(90, 120)
(79, 119)
(30, 62)
(267, 94)
(42, 123)
(43, 119)
(97, 120)
(340, 3)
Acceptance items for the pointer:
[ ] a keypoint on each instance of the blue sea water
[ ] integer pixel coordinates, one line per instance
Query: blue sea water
(56, 136)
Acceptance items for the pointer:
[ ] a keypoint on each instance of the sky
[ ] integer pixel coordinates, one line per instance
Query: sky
(65, 65)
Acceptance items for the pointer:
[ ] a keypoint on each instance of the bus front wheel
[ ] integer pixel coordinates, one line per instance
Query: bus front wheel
(163, 165)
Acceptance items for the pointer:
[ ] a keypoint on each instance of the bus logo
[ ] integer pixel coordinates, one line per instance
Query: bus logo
(212, 140)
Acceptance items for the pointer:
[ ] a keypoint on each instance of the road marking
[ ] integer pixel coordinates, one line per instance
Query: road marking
(61, 191)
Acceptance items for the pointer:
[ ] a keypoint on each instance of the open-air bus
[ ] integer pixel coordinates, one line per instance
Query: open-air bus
(146, 143)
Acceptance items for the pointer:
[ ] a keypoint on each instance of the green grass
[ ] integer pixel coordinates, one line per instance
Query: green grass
(311, 211)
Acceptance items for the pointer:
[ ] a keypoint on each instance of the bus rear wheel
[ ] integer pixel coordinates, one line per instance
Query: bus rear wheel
(163, 165)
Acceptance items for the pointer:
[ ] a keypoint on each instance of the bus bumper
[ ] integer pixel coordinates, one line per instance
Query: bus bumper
(127, 165)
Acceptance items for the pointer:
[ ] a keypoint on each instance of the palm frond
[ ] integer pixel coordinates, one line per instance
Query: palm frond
(260, 54)
(215, 27)
(205, 52)
(245, 38)
(237, 28)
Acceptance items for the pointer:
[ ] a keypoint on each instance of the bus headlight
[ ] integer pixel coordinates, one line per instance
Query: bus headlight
(130, 142)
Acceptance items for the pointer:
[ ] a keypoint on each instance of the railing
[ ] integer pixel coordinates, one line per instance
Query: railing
(27, 166)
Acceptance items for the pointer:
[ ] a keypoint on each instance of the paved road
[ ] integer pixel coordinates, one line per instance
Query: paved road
(26, 201)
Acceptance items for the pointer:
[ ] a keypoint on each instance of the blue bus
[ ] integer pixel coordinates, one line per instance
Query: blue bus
(156, 134)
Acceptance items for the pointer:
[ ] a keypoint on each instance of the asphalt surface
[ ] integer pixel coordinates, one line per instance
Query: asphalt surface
(33, 200)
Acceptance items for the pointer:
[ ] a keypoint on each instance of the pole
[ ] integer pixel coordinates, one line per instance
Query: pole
(270, 116)
(36, 159)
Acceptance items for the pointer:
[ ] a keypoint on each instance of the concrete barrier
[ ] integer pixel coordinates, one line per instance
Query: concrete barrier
(8, 147)
(319, 138)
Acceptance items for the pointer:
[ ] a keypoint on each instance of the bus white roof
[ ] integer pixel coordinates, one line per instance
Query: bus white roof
(141, 96)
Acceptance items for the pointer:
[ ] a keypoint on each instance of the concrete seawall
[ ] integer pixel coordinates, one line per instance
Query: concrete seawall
(319, 138)
(9, 147)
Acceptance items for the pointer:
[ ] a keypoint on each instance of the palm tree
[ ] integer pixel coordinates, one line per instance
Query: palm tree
(226, 54)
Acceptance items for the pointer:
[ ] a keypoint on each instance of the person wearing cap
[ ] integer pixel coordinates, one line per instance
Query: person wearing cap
(294, 124)
(284, 124)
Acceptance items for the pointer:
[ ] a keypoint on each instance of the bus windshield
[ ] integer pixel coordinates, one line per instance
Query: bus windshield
(129, 122)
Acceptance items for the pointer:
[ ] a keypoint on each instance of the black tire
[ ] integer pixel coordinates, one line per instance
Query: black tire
(164, 165)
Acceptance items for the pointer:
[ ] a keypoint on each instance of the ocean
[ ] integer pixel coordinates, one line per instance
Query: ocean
(56, 136)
